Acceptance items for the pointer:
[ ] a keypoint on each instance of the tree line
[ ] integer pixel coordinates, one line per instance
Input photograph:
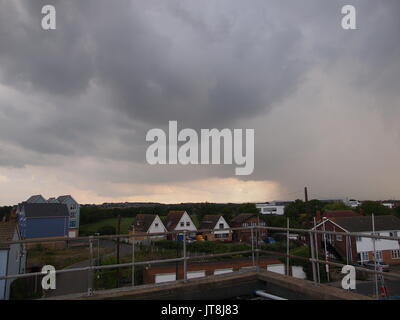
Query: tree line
(228, 210)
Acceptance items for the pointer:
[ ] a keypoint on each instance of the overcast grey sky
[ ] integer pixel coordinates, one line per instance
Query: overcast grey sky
(76, 102)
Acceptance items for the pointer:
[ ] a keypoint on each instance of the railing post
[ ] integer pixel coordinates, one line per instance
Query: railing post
(133, 260)
(90, 272)
(287, 248)
(252, 245)
(326, 254)
(184, 257)
(258, 248)
(374, 248)
(316, 252)
(313, 257)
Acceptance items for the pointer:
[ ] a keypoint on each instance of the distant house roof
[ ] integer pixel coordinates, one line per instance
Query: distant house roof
(7, 230)
(52, 200)
(143, 222)
(36, 199)
(64, 198)
(209, 221)
(341, 214)
(243, 217)
(364, 223)
(173, 219)
(40, 210)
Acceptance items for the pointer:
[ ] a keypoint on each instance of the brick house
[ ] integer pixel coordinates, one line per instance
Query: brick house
(360, 249)
(216, 224)
(180, 221)
(147, 223)
(247, 220)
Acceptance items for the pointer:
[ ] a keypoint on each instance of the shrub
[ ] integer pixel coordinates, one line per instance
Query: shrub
(106, 230)
(106, 278)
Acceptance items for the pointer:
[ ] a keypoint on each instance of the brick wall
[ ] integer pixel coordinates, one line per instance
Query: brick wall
(209, 267)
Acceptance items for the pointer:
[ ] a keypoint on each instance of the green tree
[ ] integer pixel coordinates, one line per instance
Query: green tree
(313, 206)
(337, 206)
(294, 209)
(106, 230)
(396, 211)
(374, 207)
(106, 278)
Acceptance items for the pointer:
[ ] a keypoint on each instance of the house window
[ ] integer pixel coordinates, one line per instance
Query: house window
(393, 234)
(359, 239)
(182, 224)
(156, 224)
(221, 235)
(221, 225)
(339, 237)
(364, 256)
(378, 255)
(396, 254)
(187, 224)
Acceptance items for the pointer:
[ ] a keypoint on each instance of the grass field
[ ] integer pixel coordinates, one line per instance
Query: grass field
(92, 228)
(60, 258)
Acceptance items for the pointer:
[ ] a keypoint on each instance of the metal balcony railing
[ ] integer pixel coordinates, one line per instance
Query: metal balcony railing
(255, 251)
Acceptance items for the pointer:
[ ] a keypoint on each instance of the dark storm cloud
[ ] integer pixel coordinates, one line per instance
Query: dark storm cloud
(113, 70)
(154, 72)
(56, 63)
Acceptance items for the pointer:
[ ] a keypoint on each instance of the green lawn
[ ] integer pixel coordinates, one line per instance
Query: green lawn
(92, 228)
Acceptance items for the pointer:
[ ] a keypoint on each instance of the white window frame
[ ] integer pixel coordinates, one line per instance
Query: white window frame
(395, 254)
(363, 255)
(378, 255)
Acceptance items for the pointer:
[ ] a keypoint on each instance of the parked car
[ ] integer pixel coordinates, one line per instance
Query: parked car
(379, 264)
(269, 240)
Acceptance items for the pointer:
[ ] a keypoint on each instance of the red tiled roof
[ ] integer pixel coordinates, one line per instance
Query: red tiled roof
(364, 223)
(143, 222)
(209, 221)
(239, 219)
(173, 218)
(341, 214)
